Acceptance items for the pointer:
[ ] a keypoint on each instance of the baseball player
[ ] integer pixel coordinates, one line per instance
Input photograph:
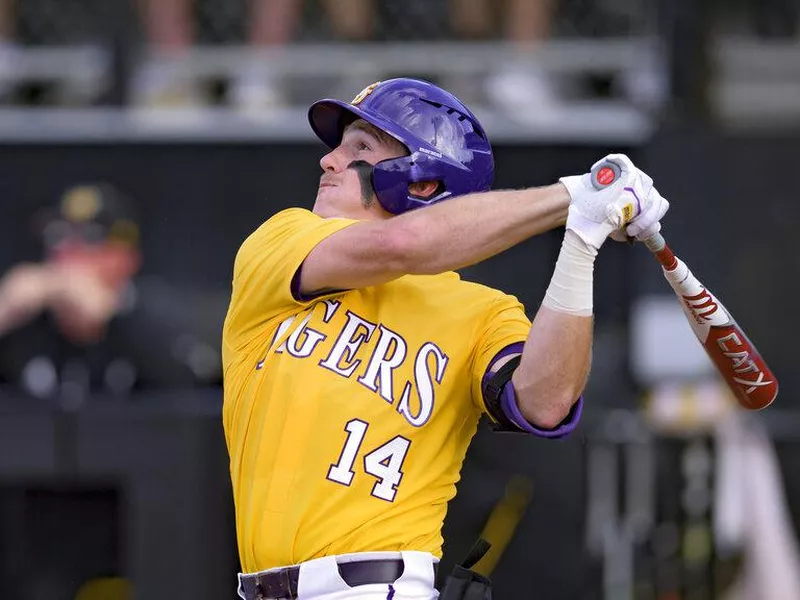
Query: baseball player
(357, 363)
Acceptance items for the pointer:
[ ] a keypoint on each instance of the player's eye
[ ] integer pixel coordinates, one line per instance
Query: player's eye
(363, 146)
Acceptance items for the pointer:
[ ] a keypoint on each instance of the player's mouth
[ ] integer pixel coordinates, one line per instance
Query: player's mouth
(324, 183)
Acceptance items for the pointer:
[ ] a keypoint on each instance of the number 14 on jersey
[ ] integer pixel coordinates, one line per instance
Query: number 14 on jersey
(385, 462)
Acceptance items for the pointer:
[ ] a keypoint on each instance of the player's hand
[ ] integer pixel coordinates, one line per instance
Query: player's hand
(24, 292)
(648, 223)
(595, 214)
(82, 303)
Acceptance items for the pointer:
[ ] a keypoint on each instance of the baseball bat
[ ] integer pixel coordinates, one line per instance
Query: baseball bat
(733, 354)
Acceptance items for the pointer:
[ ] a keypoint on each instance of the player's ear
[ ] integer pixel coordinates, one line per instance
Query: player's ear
(423, 189)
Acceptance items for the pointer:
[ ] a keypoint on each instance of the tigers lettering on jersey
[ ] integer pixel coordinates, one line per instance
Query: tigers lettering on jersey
(377, 372)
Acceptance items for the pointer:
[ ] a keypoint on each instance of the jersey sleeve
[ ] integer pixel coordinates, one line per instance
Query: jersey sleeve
(505, 334)
(505, 329)
(266, 269)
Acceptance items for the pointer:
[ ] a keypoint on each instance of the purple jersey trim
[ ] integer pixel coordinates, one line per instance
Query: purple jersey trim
(295, 287)
(510, 407)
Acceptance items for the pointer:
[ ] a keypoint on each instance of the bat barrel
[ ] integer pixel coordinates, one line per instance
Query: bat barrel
(736, 358)
(740, 364)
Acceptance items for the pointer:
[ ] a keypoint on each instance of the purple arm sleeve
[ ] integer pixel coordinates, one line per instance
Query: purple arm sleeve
(510, 407)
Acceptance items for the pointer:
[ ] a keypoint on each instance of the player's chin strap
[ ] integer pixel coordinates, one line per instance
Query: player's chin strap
(464, 584)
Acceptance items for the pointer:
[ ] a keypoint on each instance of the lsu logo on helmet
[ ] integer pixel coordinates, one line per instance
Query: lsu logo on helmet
(364, 93)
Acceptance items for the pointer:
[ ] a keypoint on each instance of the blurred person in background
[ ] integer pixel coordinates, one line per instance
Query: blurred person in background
(83, 320)
(8, 46)
(271, 25)
(522, 85)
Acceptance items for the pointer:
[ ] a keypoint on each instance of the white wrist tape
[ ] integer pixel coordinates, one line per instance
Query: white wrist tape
(571, 287)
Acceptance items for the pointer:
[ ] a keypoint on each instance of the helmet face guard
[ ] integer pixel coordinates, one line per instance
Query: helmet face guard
(446, 143)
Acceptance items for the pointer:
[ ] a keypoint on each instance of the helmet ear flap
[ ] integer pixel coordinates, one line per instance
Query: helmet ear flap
(391, 179)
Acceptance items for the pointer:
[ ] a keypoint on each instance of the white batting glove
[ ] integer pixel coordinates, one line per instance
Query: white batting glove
(648, 223)
(594, 214)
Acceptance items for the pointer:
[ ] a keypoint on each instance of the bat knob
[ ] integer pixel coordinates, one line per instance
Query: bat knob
(605, 173)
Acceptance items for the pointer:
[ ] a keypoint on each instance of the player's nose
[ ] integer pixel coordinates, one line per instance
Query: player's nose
(334, 161)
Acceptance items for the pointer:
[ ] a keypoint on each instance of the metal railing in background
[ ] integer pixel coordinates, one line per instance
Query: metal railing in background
(615, 66)
(752, 51)
(595, 51)
(757, 83)
(315, 70)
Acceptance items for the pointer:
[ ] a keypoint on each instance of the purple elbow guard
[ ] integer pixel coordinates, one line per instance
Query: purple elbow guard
(508, 403)
(501, 400)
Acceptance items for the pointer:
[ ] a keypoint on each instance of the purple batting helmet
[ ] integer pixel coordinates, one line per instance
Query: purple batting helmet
(446, 143)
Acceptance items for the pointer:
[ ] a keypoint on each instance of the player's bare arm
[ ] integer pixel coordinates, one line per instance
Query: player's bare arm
(442, 237)
(554, 367)
(557, 354)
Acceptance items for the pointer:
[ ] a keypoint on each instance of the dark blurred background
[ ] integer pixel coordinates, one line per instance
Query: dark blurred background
(141, 142)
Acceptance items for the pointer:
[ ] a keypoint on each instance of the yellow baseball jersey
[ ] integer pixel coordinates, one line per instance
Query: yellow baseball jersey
(348, 416)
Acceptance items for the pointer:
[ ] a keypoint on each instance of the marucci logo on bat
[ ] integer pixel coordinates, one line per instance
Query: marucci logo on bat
(702, 306)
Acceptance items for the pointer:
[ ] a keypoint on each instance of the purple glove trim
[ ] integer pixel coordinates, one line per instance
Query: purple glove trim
(638, 202)
(511, 409)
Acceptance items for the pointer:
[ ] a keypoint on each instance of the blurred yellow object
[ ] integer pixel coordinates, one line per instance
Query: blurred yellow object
(125, 232)
(698, 543)
(688, 407)
(106, 588)
(81, 203)
(503, 521)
